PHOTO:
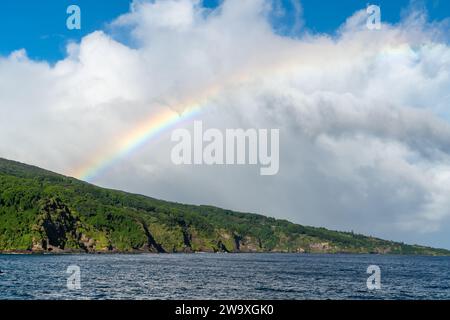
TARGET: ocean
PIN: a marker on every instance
(221, 276)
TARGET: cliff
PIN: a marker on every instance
(41, 211)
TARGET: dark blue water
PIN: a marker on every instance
(223, 276)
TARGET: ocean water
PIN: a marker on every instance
(223, 276)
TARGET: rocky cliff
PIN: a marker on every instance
(41, 211)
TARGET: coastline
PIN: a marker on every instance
(62, 253)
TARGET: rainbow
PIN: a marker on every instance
(155, 125)
(160, 122)
(144, 132)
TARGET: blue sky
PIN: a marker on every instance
(39, 26)
(361, 147)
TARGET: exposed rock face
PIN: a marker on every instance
(221, 247)
(237, 242)
(152, 245)
(58, 230)
(320, 247)
(249, 244)
(55, 227)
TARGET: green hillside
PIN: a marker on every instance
(41, 211)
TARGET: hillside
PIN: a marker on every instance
(41, 211)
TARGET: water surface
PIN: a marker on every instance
(224, 276)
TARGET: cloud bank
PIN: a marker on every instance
(363, 114)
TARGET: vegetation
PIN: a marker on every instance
(41, 211)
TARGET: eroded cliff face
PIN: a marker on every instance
(58, 229)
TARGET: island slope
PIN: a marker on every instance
(41, 211)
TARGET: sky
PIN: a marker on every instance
(39, 26)
(363, 114)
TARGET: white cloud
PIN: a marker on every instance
(363, 116)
